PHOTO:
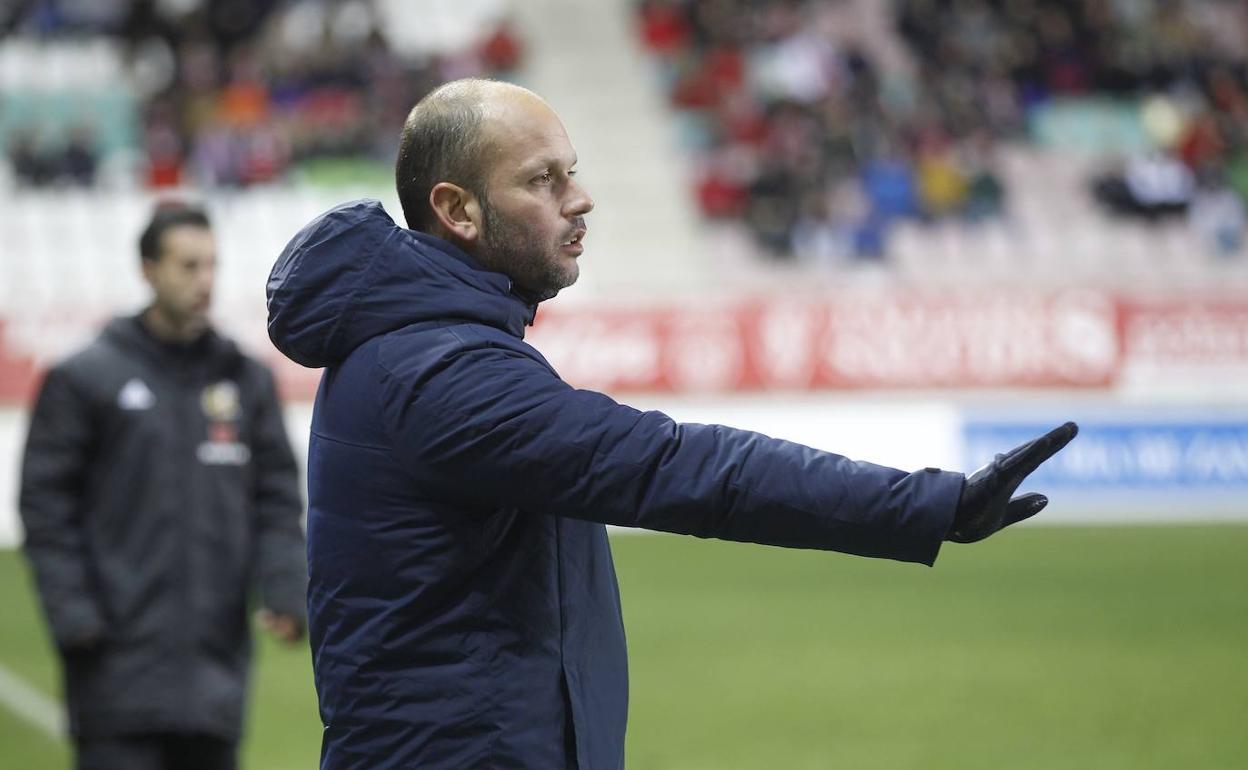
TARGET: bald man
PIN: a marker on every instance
(463, 605)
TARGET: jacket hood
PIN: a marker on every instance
(353, 274)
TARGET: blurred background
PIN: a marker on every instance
(915, 232)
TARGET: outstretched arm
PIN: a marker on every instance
(499, 426)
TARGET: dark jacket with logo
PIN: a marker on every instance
(159, 488)
(463, 604)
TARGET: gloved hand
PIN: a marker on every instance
(986, 504)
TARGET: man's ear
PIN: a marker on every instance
(149, 271)
(458, 212)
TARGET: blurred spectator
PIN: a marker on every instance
(164, 147)
(772, 207)
(985, 194)
(39, 160)
(1219, 216)
(78, 162)
(1237, 173)
(890, 187)
(722, 191)
(1151, 187)
(32, 166)
(664, 26)
(502, 52)
(943, 188)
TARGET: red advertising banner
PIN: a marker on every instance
(877, 340)
(17, 371)
(1184, 332)
(891, 339)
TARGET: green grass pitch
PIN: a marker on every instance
(1115, 648)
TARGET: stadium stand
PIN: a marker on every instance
(207, 95)
(963, 140)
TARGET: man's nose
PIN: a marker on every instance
(579, 203)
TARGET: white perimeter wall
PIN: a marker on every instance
(903, 431)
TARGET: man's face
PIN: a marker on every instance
(181, 276)
(532, 211)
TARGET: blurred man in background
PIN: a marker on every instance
(159, 487)
(463, 603)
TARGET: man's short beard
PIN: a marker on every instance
(508, 247)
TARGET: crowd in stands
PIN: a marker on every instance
(804, 133)
(244, 93)
(71, 163)
(1184, 62)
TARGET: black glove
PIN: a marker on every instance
(986, 504)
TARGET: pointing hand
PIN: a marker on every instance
(987, 504)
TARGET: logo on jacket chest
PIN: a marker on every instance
(221, 401)
(135, 396)
(222, 407)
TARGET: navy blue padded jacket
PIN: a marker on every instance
(463, 605)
